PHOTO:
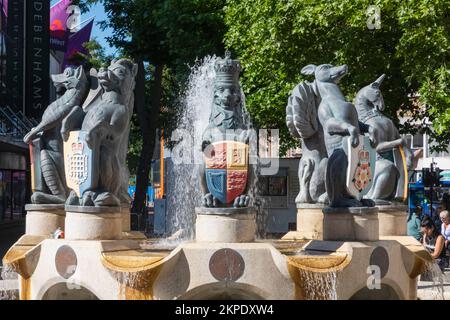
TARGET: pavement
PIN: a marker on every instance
(437, 288)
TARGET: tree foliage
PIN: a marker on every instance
(275, 39)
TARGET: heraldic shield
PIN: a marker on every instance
(361, 166)
(78, 163)
(226, 169)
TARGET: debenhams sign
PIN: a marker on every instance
(37, 57)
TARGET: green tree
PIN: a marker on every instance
(275, 39)
(163, 37)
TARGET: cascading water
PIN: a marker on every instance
(183, 183)
(434, 274)
(184, 180)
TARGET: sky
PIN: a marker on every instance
(100, 15)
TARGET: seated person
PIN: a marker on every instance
(434, 242)
(413, 223)
(445, 227)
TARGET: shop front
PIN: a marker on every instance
(14, 182)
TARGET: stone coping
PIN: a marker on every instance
(351, 210)
(88, 209)
(393, 207)
(44, 207)
(310, 205)
(224, 211)
(125, 205)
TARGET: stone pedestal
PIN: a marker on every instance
(44, 219)
(392, 219)
(225, 224)
(126, 218)
(93, 223)
(350, 224)
(310, 221)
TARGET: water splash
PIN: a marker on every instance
(184, 179)
(434, 274)
(318, 285)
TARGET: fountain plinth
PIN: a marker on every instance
(93, 223)
(225, 224)
(44, 219)
(393, 219)
(309, 222)
(351, 224)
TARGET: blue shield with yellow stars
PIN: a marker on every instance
(79, 163)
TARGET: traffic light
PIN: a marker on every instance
(426, 177)
(431, 177)
(437, 176)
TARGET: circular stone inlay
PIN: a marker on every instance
(66, 261)
(380, 258)
(226, 265)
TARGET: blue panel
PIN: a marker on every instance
(217, 183)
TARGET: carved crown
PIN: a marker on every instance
(77, 147)
(364, 156)
(227, 69)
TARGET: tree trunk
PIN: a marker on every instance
(148, 121)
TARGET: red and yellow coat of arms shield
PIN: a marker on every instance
(226, 171)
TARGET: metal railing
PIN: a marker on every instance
(13, 124)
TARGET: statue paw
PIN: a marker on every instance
(368, 202)
(323, 198)
(72, 199)
(88, 199)
(210, 201)
(241, 201)
(106, 199)
(44, 198)
(346, 203)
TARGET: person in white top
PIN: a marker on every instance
(445, 227)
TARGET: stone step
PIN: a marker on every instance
(9, 290)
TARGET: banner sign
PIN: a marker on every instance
(58, 25)
(37, 58)
(15, 53)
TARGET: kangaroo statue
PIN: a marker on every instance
(389, 176)
(338, 119)
(73, 85)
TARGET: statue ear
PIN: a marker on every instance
(309, 69)
(79, 72)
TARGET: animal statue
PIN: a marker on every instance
(303, 123)
(106, 121)
(73, 86)
(338, 119)
(226, 122)
(390, 176)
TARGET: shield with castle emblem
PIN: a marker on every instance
(361, 166)
(226, 169)
(78, 163)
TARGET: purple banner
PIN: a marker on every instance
(4, 13)
(75, 44)
(58, 25)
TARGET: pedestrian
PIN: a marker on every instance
(445, 227)
(413, 223)
(434, 242)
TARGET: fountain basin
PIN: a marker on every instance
(136, 269)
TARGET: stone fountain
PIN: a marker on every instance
(99, 258)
